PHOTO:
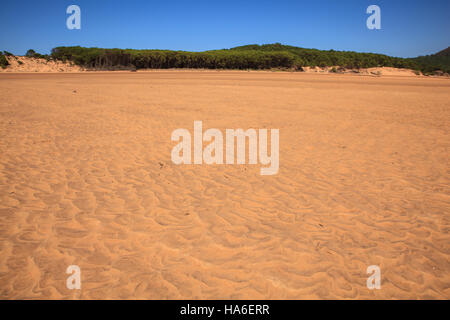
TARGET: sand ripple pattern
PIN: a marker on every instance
(86, 179)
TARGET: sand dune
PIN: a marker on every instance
(27, 64)
(86, 178)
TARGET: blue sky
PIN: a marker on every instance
(408, 28)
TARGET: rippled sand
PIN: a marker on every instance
(86, 178)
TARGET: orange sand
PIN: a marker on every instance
(86, 178)
(27, 64)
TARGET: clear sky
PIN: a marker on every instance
(408, 28)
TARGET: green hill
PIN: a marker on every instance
(438, 61)
(443, 53)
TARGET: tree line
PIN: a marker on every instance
(244, 57)
(97, 58)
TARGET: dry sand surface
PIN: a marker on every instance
(86, 178)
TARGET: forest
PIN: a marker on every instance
(96, 58)
(257, 57)
(436, 62)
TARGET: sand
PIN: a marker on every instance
(26, 64)
(378, 71)
(86, 179)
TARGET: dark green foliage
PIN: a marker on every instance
(3, 61)
(439, 61)
(443, 53)
(97, 58)
(245, 57)
(33, 54)
(30, 53)
(8, 54)
(323, 58)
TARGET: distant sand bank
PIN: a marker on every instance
(19, 64)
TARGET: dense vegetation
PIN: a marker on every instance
(439, 61)
(33, 54)
(245, 57)
(3, 61)
(220, 59)
(322, 58)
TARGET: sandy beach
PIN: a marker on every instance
(86, 179)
